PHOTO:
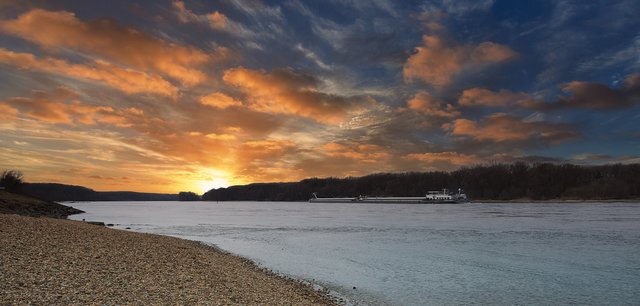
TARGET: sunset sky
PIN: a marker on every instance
(190, 95)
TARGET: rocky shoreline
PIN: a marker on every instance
(13, 203)
(47, 261)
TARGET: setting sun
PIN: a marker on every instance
(207, 179)
(204, 186)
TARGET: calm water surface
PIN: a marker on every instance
(499, 254)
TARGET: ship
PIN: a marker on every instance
(432, 197)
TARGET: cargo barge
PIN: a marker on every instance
(432, 197)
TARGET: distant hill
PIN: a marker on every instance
(61, 192)
(518, 181)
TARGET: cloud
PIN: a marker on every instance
(462, 7)
(127, 80)
(345, 159)
(579, 94)
(592, 158)
(265, 160)
(284, 91)
(480, 97)
(436, 63)
(61, 106)
(219, 100)
(265, 149)
(501, 127)
(72, 156)
(109, 178)
(443, 160)
(106, 38)
(599, 96)
(312, 56)
(612, 58)
(7, 112)
(364, 153)
(595, 96)
(430, 106)
(215, 19)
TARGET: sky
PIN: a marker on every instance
(168, 96)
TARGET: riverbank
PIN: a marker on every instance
(48, 261)
(13, 203)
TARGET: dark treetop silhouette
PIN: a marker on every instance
(542, 181)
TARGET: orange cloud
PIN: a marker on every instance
(108, 39)
(265, 160)
(345, 159)
(333, 147)
(168, 140)
(7, 112)
(437, 64)
(483, 97)
(501, 127)
(126, 80)
(215, 19)
(287, 92)
(184, 15)
(430, 106)
(264, 149)
(219, 100)
(60, 106)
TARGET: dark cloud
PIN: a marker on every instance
(480, 97)
(501, 127)
(596, 96)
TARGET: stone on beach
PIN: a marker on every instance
(47, 261)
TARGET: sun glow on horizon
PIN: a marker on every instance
(205, 186)
(210, 179)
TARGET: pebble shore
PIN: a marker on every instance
(46, 261)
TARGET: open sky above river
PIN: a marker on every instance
(166, 96)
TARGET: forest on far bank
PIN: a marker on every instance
(517, 181)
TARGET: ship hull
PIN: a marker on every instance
(385, 201)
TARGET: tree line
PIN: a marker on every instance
(517, 181)
(13, 181)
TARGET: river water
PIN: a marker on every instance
(403, 254)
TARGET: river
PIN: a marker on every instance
(407, 254)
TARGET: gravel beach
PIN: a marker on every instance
(46, 261)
